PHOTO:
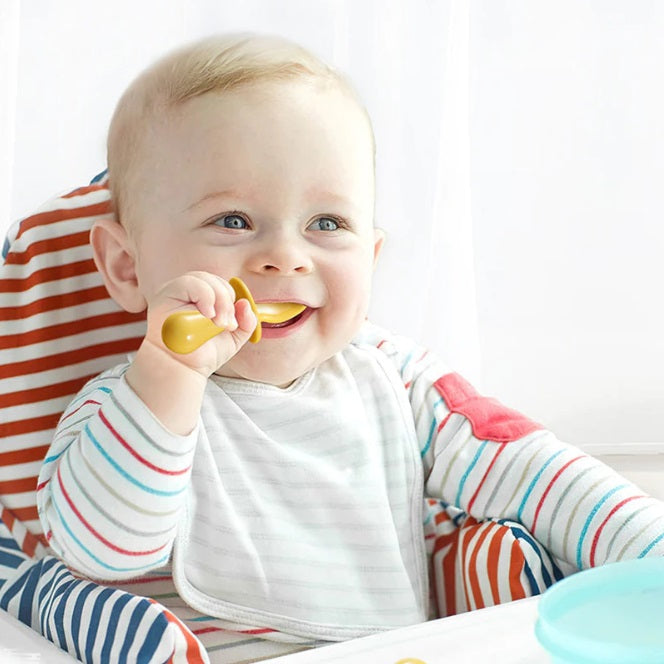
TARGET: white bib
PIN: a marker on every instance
(306, 504)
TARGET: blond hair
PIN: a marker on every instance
(215, 64)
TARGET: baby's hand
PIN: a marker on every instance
(214, 298)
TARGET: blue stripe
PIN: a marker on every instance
(651, 545)
(125, 474)
(61, 571)
(28, 595)
(200, 619)
(520, 533)
(94, 620)
(137, 615)
(49, 597)
(99, 176)
(59, 613)
(534, 482)
(54, 457)
(112, 626)
(591, 516)
(432, 430)
(71, 534)
(409, 357)
(473, 463)
(9, 559)
(76, 614)
(152, 638)
(9, 543)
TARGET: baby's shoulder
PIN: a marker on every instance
(399, 350)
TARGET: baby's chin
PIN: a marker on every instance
(265, 372)
(280, 369)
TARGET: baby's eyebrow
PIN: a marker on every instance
(213, 195)
(327, 195)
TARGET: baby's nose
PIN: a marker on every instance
(283, 256)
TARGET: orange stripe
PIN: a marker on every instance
(67, 329)
(63, 214)
(193, 653)
(517, 563)
(47, 274)
(447, 567)
(48, 246)
(466, 534)
(30, 425)
(86, 189)
(7, 518)
(66, 388)
(18, 486)
(472, 566)
(441, 517)
(54, 302)
(30, 542)
(23, 456)
(493, 562)
(26, 513)
(62, 360)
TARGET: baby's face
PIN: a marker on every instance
(273, 184)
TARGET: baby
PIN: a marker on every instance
(283, 482)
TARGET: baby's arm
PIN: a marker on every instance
(115, 478)
(493, 462)
(113, 483)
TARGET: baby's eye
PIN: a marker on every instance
(325, 224)
(234, 221)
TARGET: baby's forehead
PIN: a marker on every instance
(293, 137)
(302, 109)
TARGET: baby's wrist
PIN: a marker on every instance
(170, 389)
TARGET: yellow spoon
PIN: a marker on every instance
(185, 331)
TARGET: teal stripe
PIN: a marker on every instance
(534, 482)
(409, 357)
(651, 545)
(473, 463)
(125, 474)
(591, 516)
(100, 562)
(432, 430)
(51, 459)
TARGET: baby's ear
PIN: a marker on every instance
(379, 240)
(114, 259)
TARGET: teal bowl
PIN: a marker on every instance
(612, 614)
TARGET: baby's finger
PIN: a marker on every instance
(220, 309)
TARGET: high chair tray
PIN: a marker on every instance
(19, 643)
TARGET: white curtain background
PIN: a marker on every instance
(519, 166)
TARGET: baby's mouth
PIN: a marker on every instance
(279, 314)
(284, 323)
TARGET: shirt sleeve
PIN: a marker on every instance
(493, 462)
(113, 483)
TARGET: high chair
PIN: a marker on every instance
(59, 328)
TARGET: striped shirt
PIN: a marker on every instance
(301, 509)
